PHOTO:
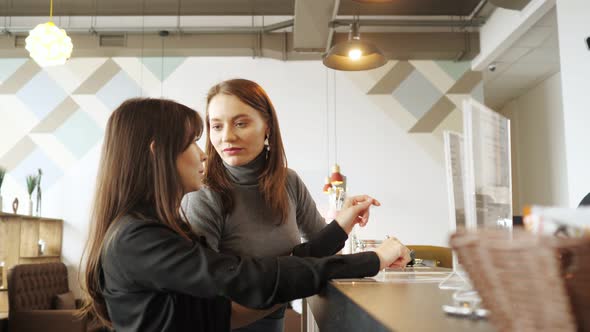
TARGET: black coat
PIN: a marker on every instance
(155, 280)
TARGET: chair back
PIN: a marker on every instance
(33, 286)
(441, 255)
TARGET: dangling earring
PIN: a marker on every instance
(267, 145)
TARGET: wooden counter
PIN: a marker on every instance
(368, 305)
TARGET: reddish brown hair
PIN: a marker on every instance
(272, 181)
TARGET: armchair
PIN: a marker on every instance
(31, 289)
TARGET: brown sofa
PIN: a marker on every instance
(31, 291)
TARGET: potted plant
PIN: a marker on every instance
(31, 185)
(2, 173)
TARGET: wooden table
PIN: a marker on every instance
(369, 305)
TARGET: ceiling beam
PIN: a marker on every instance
(273, 45)
(405, 22)
(399, 46)
(311, 26)
(504, 27)
(511, 4)
(145, 7)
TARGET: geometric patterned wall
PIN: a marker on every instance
(424, 98)
(429, 90)
(49, 118)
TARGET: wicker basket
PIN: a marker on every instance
(529, 283)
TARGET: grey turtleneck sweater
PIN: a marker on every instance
(251, 229)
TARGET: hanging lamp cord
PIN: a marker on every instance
(327, 119)
(335, 124)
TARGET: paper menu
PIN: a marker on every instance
(454, 155)
(487, 174)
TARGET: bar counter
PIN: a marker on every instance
(369, 305)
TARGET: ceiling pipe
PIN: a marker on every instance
(405, 22)
(475, 22)
(477, 10)
(9, 30)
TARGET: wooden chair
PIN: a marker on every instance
(440, 255)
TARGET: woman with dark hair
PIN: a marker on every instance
(146, 270)
(253, 203)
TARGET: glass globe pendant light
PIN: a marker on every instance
(47, 44)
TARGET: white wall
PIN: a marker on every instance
(538, 146)
(572, 26)
(378, 155)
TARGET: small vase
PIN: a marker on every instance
(30, 207)
(38, 211)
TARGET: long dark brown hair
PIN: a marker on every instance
(137, 176)
(272, 181)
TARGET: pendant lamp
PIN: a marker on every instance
(354, 54)
(327, 186)
(336, 178)
(49, 45)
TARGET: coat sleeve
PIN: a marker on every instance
(327, 242)
(156, 258)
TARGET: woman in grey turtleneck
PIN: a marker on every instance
(253, 204)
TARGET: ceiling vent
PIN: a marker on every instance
(112, 40)
(19, 41)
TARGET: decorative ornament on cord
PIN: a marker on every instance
(335, 188)
(336, 176)
(327, 186)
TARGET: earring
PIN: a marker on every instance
(267, 145)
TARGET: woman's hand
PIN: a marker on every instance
(393, 253)
(355, 211)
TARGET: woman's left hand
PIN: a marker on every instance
(355, 211)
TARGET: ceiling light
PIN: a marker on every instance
(49, 45)
(354, 54)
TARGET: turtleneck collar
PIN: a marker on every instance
(247, 174)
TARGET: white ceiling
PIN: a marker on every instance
(529, 61)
